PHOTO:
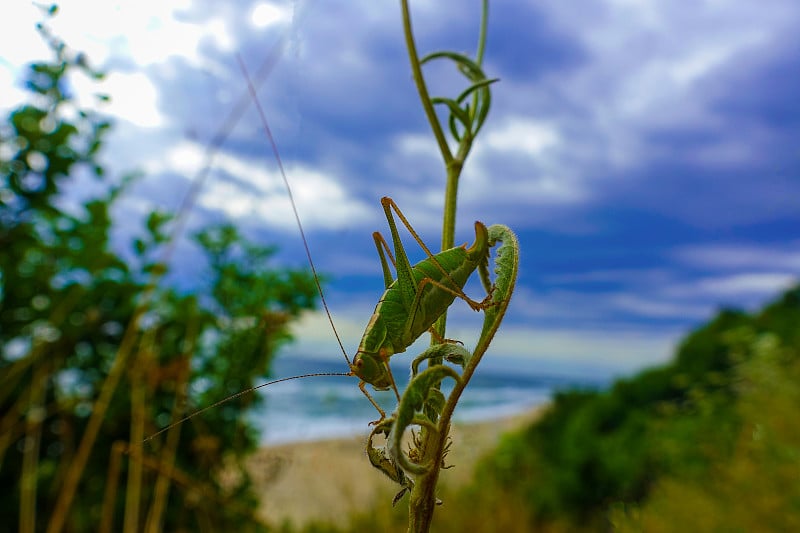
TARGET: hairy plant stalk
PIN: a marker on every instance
(423, 496)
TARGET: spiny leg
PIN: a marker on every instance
(383, 251)
(389, 205)
(362, 385)
(476, 306)
(442, 340)
(391, 377)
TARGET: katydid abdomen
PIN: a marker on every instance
(397, 321)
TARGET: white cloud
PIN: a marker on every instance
(634, 301)
(10, 94)
(416, 145)
(742, 256)
(650, 306)
(185, 158)
(145, 32)
(619, 349)
(694, 64)
(19, 41)
(531, 137)
(134, 98)
(738, 285)
(627, 275)
(550, 188)
(138, 30)
(256, 193)
(529, 154)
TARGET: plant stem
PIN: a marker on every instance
(422, 500)
(419, 81)
(482, 34)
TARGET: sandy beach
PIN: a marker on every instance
(327, 480)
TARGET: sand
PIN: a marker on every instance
(328, 480)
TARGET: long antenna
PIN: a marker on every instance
(216, 142)
(277, 154)
(234, 396)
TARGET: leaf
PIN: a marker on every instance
(449, 351)
(506, 268)
(383, 461)
(471, 118)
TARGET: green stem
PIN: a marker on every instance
(482, 34)
(419, 81)
(423, 497)
(449, 225)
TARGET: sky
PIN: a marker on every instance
(646, 153)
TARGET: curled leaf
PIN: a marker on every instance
(415, 398)
(472, 115)
(449, 351)
(380, 458)
(506, 268)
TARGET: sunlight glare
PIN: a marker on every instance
(135, 99)
(266, 14)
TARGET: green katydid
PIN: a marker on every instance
(407, 309)
(415, 300)
(409, 306)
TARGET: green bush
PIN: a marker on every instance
(595, 451)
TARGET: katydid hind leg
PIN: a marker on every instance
(405, 276)
(383, 251)
(390, 205)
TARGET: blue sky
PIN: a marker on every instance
(647, 153)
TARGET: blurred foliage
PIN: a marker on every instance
(752, 484)
(721, 411)
(71, 308)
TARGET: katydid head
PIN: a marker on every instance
(371, 362)
(371, 368)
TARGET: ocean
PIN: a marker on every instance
(319, 408)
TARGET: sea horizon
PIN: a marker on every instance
(323, 408)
